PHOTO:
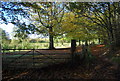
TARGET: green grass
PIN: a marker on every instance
(26, 45)
(35, 46)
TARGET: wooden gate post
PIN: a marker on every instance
(33, 58)
(73, 47)
(0, 61)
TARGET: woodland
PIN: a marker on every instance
(89, 32)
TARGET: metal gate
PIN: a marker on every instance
(31, 58)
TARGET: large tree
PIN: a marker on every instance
(46, 16)
(104, 14)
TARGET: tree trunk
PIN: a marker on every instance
(112, 42)
(89, 42)
(117, 36)
(51, 42)
(79, 42)
(118, 28)
(99, 40)
(86, 48)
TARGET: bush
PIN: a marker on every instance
(42, 41)
(33, 41)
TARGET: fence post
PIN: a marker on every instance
(73, 48)
(19, 51)
(33, 58)
(0, 61)
(3, 51)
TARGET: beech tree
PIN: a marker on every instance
(46, 16)
(75, 27)
(105, 15)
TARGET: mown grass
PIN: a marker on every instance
(34, 45)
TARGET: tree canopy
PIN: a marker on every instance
(74, 20)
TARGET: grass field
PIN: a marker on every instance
(35, 45)
(46, 45)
